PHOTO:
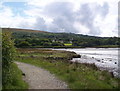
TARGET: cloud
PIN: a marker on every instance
(104, 10)
(40, 24)
(88, 13)
(14, 0)
(64, 17)
(86, 17)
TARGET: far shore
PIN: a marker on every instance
(104, 46)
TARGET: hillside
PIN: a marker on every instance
(34, 38)
(21, 30)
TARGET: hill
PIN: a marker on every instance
(34, 38)
(21, 30)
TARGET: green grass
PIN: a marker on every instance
(14, 79)
(77, 76)
(69, 44)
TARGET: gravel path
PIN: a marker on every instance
(38, 78)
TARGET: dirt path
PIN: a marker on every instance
(38, 78)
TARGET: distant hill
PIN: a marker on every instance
(35, 38)
(22, 30)
(15, 30)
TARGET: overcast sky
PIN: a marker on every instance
(89, 17)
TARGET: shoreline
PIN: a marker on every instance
(76, 75)
(108, 69)
(101, 63)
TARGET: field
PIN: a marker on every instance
(69, 44)
(77, 76)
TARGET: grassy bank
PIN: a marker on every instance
(77, 76)
(14, 80)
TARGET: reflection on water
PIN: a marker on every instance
(104, 58)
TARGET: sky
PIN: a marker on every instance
(88, 17)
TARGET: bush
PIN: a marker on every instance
(57, 44)
(11, 75)
(8, 50)
(8, 55)
(24, 44)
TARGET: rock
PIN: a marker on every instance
(111, 73)
(50, 61)
(77, 56)
(23, 74)
(70, 62)
(98, 60)
(32, 56)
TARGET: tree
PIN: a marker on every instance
(47, 44)
(23, 44)
(57, 44)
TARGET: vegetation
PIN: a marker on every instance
(30, 38)
(77, 76)
(11, 75)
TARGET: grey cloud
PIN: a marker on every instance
(88, 14)
(64, 17)
(87, 18)
(40, 24)
(103, 10)
(65, 24)
(57, 9)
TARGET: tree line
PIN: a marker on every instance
(62, 39)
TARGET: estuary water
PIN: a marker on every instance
(104, 58)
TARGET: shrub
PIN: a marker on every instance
(8, 55)
(8, 50)
(24, 44)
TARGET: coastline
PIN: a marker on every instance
(103, 62)
(76, 75)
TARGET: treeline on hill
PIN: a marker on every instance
(29, 38)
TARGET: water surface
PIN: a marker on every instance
(104, 58)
